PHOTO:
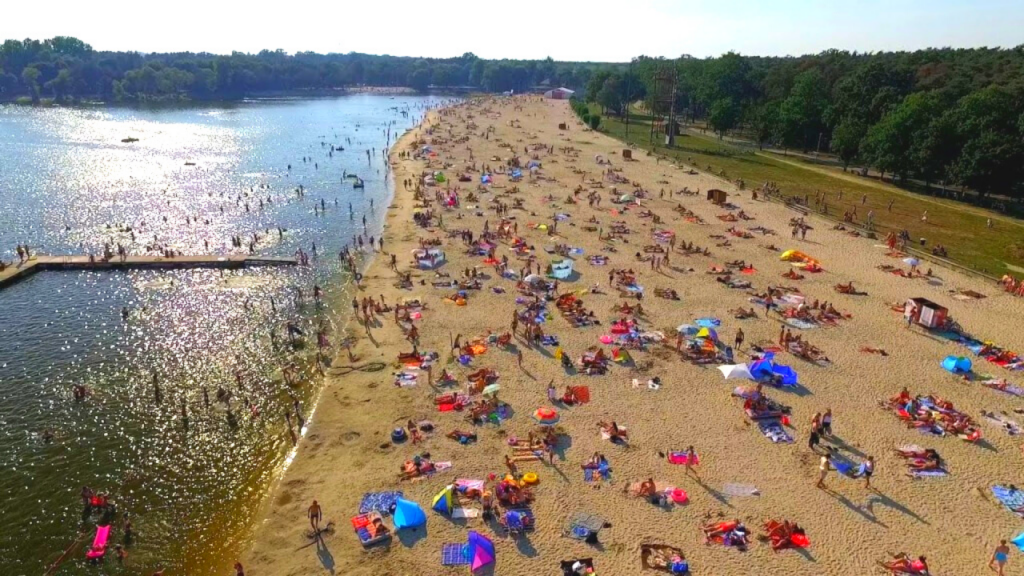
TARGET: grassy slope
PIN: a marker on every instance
(960, 228)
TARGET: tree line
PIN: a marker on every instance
(954, 116)
(65, 68)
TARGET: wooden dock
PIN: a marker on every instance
(17, 272)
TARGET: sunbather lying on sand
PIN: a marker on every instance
(461, 436)
(902, 564)
(781, 533)
(742, 314)
(616, 433)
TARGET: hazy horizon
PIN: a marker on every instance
(534, 29)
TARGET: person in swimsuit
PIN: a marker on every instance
(315, 514)
(999, 557)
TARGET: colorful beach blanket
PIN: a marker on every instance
(381, 502)
(1013, 500)
(454, 555)
(773, 430)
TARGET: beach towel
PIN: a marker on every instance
(800, 324)
(1013, 500)
(406, 379)
(708, 322)
(469, 484)
(682, 458)
(582, 394)
(549, 341)
(440, 466)
(465, 513)
(1008, 425)
(381, 502)
(928, 473)
(454, 555)
(741, 490)
(588, 475)
(774, 431)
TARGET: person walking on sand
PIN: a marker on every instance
(691, 460)
(519, 357)
(823, 467)
(739, 338)
(999, 557)
(826, 423)
(869, 470)
(315, 514)
(239, 570)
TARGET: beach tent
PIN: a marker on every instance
(439, 177)
(408, 514)
(925, 312)
(444, 502)
(533, 164)
(957, 364)
(561, 270)
(480, 550)
(736, 371)
(626, 198)
(789, 376)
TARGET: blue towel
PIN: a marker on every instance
(379, 501)
(708, 322)
(1012, 499)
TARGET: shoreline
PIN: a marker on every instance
(347, 450)
(364, 349)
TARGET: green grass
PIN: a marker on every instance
(959, 227)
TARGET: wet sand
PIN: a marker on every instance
(347, 450)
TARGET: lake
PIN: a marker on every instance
(151, 346)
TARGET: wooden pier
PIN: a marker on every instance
(17, 272)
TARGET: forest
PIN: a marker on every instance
(64, 68)
(951, 116)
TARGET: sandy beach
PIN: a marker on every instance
(348, 451)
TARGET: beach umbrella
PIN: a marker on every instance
(736, 371)
(532, 278)
(546, 416)
(911, 261)
(708, 333)
(481, 550)
(408, 514)
(491, 389)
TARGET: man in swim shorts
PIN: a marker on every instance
(315, 514)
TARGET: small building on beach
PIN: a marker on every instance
(559, 94)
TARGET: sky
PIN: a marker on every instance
(566, 30)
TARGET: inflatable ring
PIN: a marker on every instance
(530, 478)
(679, 496)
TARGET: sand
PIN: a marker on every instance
(347, 450)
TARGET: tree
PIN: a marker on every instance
(420, 79)
(801, 115)
(724, 115)
(29, 77)
(596, 83)
(764, 119)
(992, 155)
(8, 82)
(117, 89)
(846, 139)
(594, 121)
(889, 145)
(60, 85)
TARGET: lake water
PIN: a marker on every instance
(192, 485)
